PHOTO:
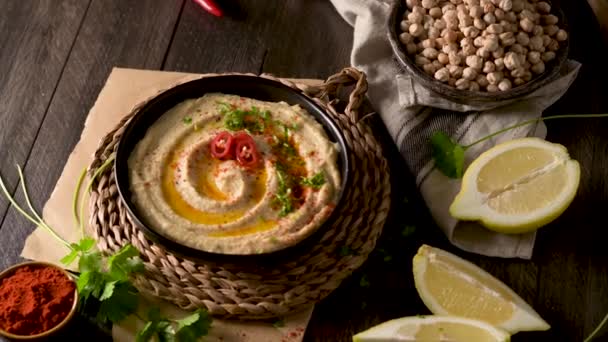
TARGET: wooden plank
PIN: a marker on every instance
(36, 37)
(114, 33)
(207, 44)
(314, 42)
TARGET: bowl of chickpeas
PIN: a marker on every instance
(479, 50)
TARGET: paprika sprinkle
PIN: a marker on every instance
(34, 298)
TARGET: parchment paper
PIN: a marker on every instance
(124, 89)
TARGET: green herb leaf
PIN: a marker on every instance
(119, 304)
(125, 262)
(90, 262)
(108, 290)
(315, 182)
(166, 333)
(68, 259)
(279, 323)
(91, 283)
(408, 230)
(86, 244)
(283, 196)
(187, 120)
(448, 155)
(193, 327)
(146, 334)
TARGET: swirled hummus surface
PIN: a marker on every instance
(234, 175)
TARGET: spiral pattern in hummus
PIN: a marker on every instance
(186, 194)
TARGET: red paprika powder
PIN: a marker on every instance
(34, 299)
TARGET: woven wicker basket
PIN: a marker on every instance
(261, 290)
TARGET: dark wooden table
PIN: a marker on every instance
(56, 54)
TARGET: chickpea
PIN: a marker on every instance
(504, 85)
(479, 23)
(483, 52)
(411, 3)
(473, 86)
(518, 81)
(437, 64)
(512, 61)
(526, 25)
(523, 39)
(517, 6)
(447, 7)
(495, 28)
(469, 73)
(482, 80)
(478, 42)
(411, 48)
(561, 35)
(439, 43)
(490, 43)
(434, 33)
(526, 14)
(429, 68)
(470, 31)
(435, 12)
(419, 47)
(527, 77)
(449, 35)
(534, 57)
(454, 58)
(428, 43)
(404, 25)
(538, 30)
(519, 72)
(500, 64)
(430, 52)
(548, 56)
(455, 71)
(489, 18)
(443, 58)
(517, 48)
(416, 30)
(492, 88)
(495, 77)
(553, 45)
(450, 47)
(442, 75)
(489, 67)
(507, 38)
(550, 30)
(419, 9)
(428, 4)
(415, 18)
(506, 5)
(439, 24)
(526, 65)
(543, 7)
(538, 68)
(474, 62)
(476, 11)
(536, 43)
(451, 22)
(471, 3)
(463, 84)
(550, 19)
(511, 17)
(405, 38)
(488, 8)
(421, 60)
(469, 50)
(499, 14)
(498, 53)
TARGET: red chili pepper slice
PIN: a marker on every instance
(210, 6)
(222, 146)
(246, 151)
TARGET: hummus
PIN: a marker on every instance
(257, 197)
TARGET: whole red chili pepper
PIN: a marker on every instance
(210, 6)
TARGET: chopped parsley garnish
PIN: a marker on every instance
(236, 119)
(315, 182)
(283, 196)
(187, 120)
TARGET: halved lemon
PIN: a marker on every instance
(449, 285)
(517, 186)
(433, 329)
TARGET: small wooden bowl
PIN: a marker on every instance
(468, 96)
(53, 330)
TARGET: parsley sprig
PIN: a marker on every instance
(283, 198)
(449, 155)
(315, 182)
(104, 281)
(235, 119)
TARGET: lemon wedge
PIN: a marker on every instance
(433, 329)
(449, 285)
(517, 186)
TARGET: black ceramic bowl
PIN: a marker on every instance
(467, 96)
(246, 86)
